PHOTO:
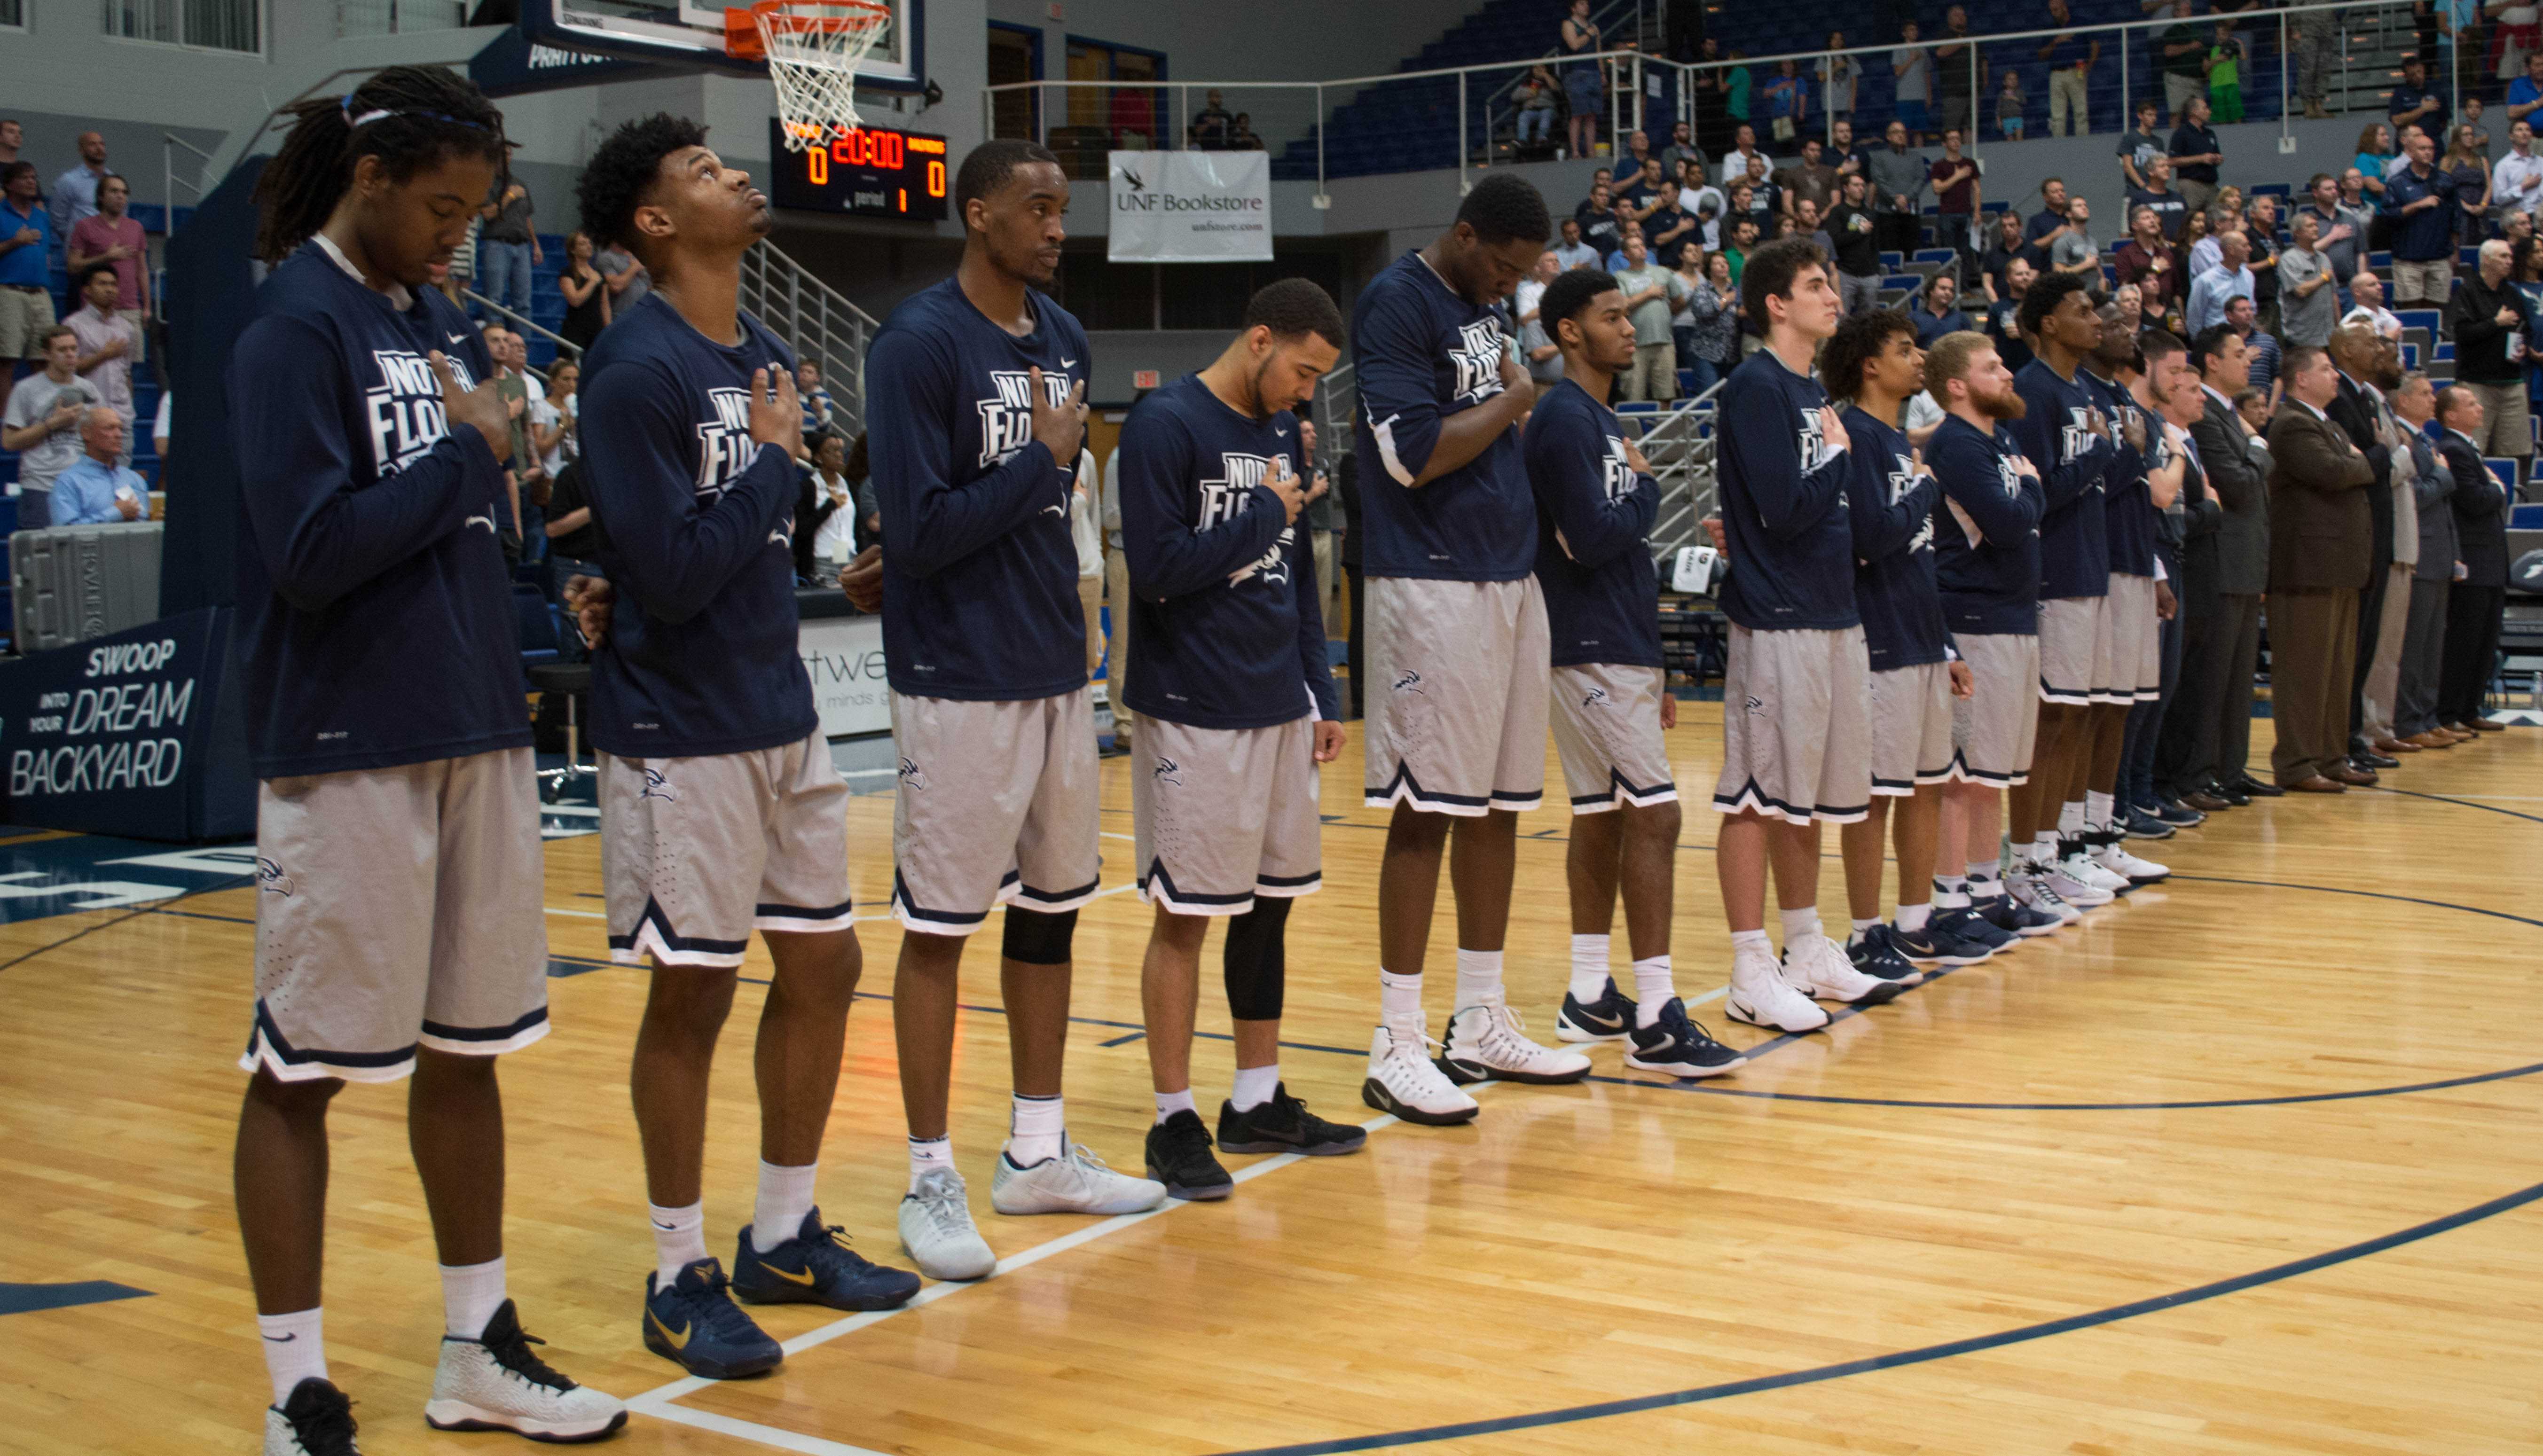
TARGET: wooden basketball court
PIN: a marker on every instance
(2250, 1162)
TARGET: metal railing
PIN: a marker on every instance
(818, 322)
(2313, 57)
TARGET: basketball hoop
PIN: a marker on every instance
(812, 48)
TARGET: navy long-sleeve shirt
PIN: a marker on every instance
(1224, 593)
(2129, 501)
(2073, 458)
(979, 595)
(2429, 233)
(1892, 509)
(1986, 555)
(1784, 504)
(377, 609)
(696, 521)
(1593, 525)
(1420, 353)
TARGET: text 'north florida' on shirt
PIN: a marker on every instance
(1893, 506)
(1420, 353)
(1593, 525)
(1223, 591)
(979, 589)
(377, 605)
(1987, 545)
(2056, 432)
(696, 526)
(1784, 507)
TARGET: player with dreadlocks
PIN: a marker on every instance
(399, 924)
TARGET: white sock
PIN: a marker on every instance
(1912, 918)
(2043, 846)
(1860, 926)
(1171, 1103)
(785, 1196)
(470, 1295)
(1654, 986)
(1479, 977)
(295, 1350)
(2070, 818)
(1752, 942)
(1589, 967)
(926, 1154)
(679, 1240)
(1037, 1128)
(1986, 878)
(1255, 1085)
(1399, 997)
(1800, 923)
(2096, 808)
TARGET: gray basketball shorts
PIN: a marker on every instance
(997, 802)
(1994, 728)
(2075, 651)
(1221, 816)
(2137, 640)
(1911, 727)
(1607, 732)
(1796, 726)
(397, 908)
(1456, 695)
(697, 853)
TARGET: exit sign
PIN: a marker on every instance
(1143, 379)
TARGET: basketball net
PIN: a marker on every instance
(812, 48)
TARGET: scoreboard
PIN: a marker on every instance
(872, 172)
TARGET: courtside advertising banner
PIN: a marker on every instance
(1191, 206)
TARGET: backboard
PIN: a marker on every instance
(690, 32)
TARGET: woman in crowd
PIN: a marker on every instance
(553, 423)
(2465, 162)
(2375, 150)
(1535, 100)
(587, 302)
(1838, 76)
(1711, 343)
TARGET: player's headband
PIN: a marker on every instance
(356, 121)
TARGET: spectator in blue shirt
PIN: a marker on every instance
(25, 256)
(2414, 102)
(1940, 313)
(2525, 93)
(93, 491)
(2420, 199)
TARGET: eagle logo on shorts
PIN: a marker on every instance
(1595, 697)
(1411, 683)
(1167, 771)
(910, 774)
(656, 787)
(270, 880)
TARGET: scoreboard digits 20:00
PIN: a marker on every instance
(872, 172)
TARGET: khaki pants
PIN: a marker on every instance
(2313, 650)
(1654, 375)
(2379, 708)
(1329, 582)
(2067, 114)
(1090, 595)
(23, 317)
(2429, 283)
(1117, 654)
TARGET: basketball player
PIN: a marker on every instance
(1236, 705)
(1795, 698)
(1872, 363)
(1986, 566)
(1456, 640)
(1596, 500)
(2142, 476)
(399, 928)
(721, 811)
(2063, 430)
(977, 408)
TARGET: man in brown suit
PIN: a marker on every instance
(2321, 548)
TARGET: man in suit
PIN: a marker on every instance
(2371, 727)
(2360, 410)
(2319, 557)
(2423, 633)
(2477, 601)
(2204, 760)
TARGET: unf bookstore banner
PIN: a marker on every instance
(1191, 206)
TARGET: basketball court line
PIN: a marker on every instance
(658, 1401)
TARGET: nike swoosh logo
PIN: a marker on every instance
(285, 1338)
(805, 1278)
(668, 1227)
(1609, 1021)
(679, 1340)
(1068, 363)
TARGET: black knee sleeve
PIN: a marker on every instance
(1038, 938)
(1257, 962)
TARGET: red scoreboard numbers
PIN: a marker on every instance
(872, 170)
